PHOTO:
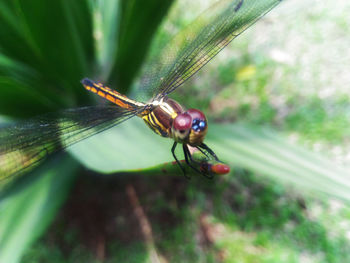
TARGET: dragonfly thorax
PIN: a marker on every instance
(169, 119)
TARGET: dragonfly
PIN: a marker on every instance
(26, 144)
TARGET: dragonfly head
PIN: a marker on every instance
(190, 127)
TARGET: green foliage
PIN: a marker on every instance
(320, 122)
(134, 40)
(28, 207)
(47, 47)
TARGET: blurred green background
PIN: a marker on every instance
(278, 104)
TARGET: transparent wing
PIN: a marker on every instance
(27, 144)
(196, 45)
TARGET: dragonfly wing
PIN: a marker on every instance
(27, 144)
(196, 45)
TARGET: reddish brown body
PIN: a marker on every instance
(162, 117)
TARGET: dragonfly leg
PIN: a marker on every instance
(210, 151)
(203, 152)
(189, 160)
(177, 161)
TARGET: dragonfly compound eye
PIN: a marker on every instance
(199, 122)
(198, 125)
(182, 122)
(181, 127)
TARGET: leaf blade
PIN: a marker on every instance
(29, 206)
(251, 147)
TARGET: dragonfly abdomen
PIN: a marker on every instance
(111, 95)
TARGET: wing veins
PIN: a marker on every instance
(19, 157)
(210, 35)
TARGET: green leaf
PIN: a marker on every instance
(51, 42)
(28, 207)
(106, 14)
(130, 145)
(138, 22)
(47, 48)
(133, 146)
(266, 152)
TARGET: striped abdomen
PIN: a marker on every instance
(111, 95)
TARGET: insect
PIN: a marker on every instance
(165, 117)
(27, 144)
